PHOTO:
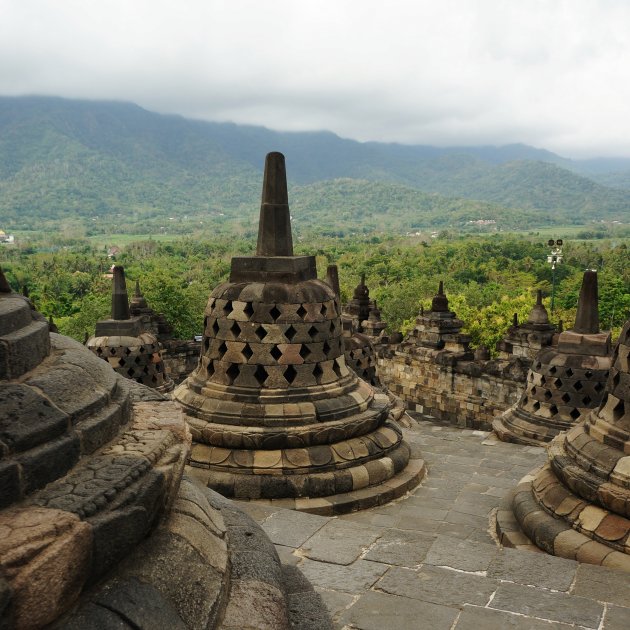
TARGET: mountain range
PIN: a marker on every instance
(100, 162)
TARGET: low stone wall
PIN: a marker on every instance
(180, 357)
(467, 394)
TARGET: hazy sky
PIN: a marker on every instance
(552, 73)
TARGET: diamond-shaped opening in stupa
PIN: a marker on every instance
(290, 374)
(261, 375)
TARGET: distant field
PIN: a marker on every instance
(124, 239)
(568, 232)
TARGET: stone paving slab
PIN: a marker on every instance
(357, 578)
(291, 528)
(376, 611)
(475, 618)
(437, 585)
(534, 569)
(429, 559)
(616, 618)
(536, 602)
(339, 542)
(400, 547)
(461, 554)
(603, 584)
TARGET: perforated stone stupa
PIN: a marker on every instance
(578, 504)
(273, 408)
(126, 345)
(565, 381)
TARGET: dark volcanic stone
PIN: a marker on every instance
(49, 462)
(28, 419)
(5, 605)
(141, 604)
(9, 483)
(115, 535)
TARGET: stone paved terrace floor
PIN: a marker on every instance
(428, 560)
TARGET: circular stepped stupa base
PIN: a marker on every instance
(526, 521)
(362, 497)
(516, 427)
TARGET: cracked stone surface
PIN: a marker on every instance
(430, 555)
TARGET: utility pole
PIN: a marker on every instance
(554, 259)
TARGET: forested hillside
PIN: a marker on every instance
(104, 165)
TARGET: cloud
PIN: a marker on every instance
(552, 73)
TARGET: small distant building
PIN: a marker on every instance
(6, 239)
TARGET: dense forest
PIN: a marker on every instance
(487, 278)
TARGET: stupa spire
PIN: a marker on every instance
(120, 301)
(587, 317)
(274, 228)
(538, 314)
(440, 302)
(332, 278)
(4, 283)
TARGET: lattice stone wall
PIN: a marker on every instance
(255, 344)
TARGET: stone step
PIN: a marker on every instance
(355, 500)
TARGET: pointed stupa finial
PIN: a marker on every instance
(587, 317)
(538, 315)
(4, 283)
(274, 228)
(120, 301)
(361, 290)
(137, 302)
(440, 301)
(332, 278)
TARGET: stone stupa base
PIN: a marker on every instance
(518, 427)
(357, 488)
(541, 514)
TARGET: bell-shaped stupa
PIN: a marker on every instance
(126, 345)
(358, 308)
(578, 504)
(525, 341)
(565, 381)
(273, 408)
(439, 330)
